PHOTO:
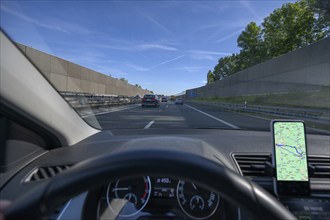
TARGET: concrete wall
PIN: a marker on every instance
(307, 68)
(70, 77)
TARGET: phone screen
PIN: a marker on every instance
(290, 149)
(290, 157)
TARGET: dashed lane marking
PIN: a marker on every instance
(149, 125)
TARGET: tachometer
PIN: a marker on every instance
(195, 201)
(127, 197)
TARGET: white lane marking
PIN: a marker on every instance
(149, 124)
(215, 118)
(115, 110)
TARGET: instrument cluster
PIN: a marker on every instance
(143, 197)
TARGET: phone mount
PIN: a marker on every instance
(270, 170)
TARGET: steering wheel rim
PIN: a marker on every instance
(102, 170)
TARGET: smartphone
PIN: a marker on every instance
(290, 158)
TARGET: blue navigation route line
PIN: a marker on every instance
(298, 153)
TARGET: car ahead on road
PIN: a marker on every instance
(164, 99)
(150, 100)
(179, 101)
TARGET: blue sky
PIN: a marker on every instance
(164, 46)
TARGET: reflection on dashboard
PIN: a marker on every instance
(143, 197)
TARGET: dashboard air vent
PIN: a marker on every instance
(319, 166)
(42, 173)
(255, 165)
(252, 164)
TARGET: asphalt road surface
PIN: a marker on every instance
(169, 115)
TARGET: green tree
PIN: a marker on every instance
(321, 10)
(227, 65)
(251, 44)
(292, 26)
(217, 72)
(210, 77)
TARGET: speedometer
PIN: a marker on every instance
(129, 196)
(195, 201)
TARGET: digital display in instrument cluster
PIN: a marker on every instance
(164, 187)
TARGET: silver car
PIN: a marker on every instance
(179, 101)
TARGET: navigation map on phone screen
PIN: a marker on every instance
(290, 150)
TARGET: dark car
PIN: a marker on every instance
(150, 100)
(164, 99)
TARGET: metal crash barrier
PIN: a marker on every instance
(81, 101)
(317, 115)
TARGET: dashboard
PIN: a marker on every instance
(165, 197)
(159, 197)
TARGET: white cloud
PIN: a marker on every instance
(167, 61)
(155, 46)
(72, 27)
(135, 48)
(62, 26)
(200, 56)
(159, 25)
(33, 21)
(190, 69)
(137, 67)
(229, 36)
(208, 52)
(248, 6)
(141, 68)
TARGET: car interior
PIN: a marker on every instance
(165, 110)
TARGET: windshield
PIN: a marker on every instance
(181, 64)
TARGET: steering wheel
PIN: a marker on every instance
(101, 170)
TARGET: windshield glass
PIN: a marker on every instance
(209, 64)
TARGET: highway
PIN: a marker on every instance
(169, 115)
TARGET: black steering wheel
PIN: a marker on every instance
(101, 170)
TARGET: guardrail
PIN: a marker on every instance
(317, 115)
(80, 101)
